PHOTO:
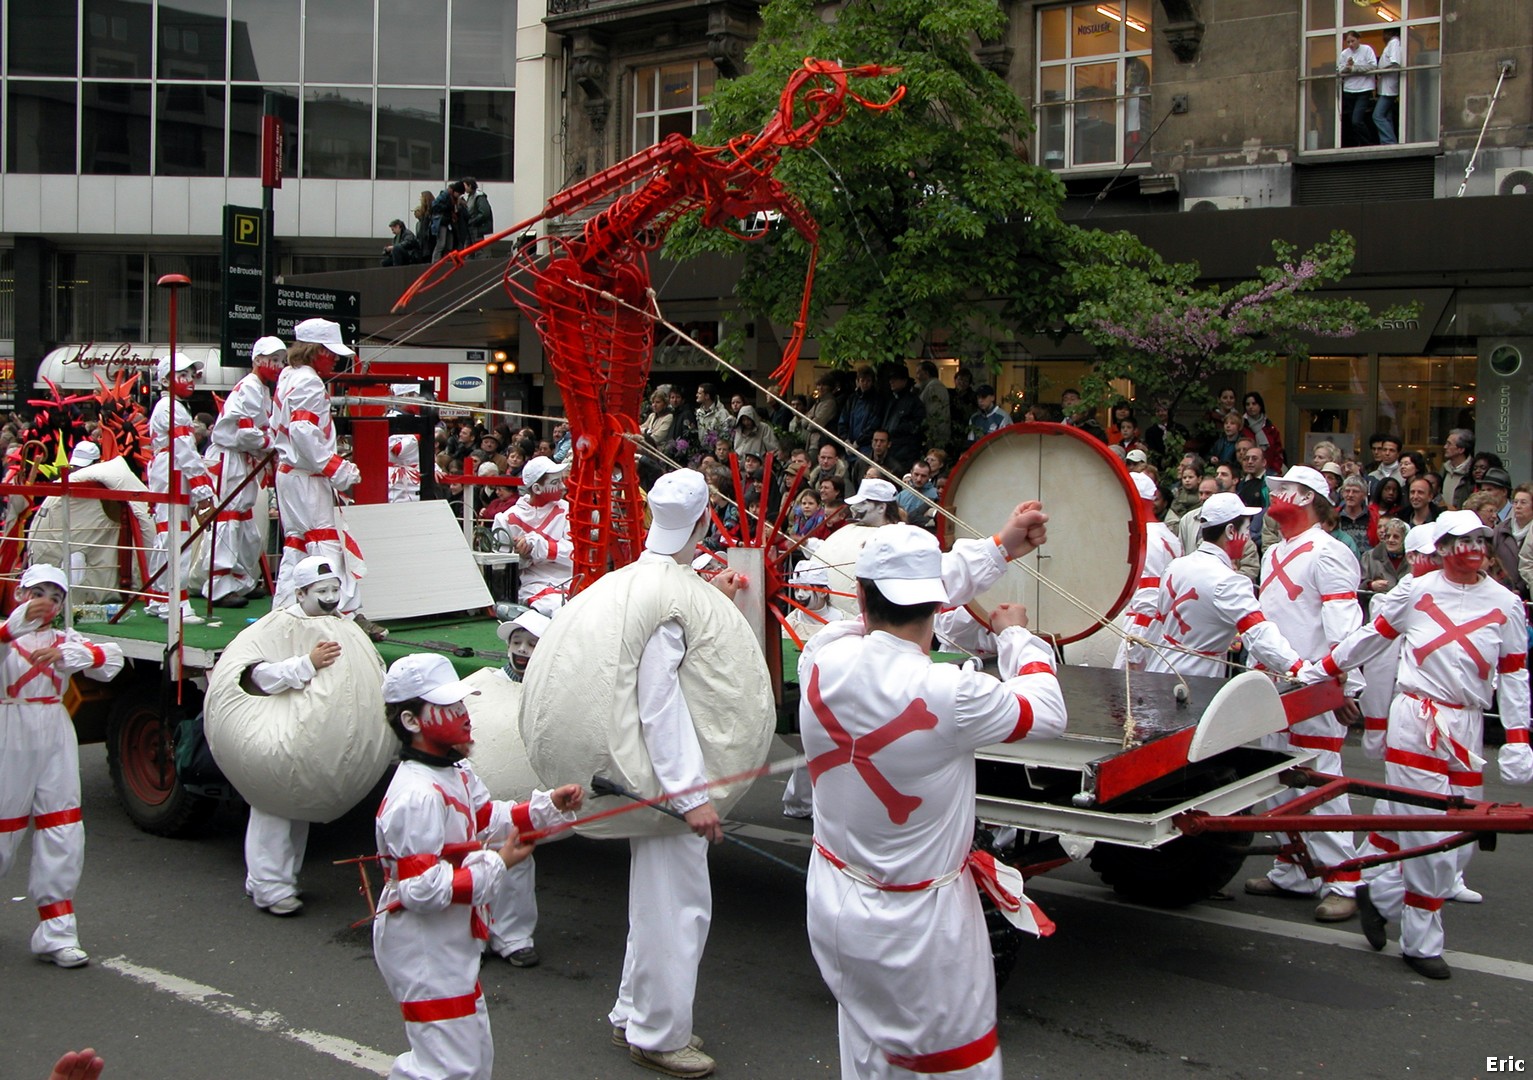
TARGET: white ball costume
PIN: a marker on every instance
(899, 939)
(40, 764)
(239, 440)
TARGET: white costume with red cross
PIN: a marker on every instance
(404, 468)
(239, 440)
(1161, 546)
(1309, 591)
(429, 950)
(1459, 644)
(40, 767)
(170, 432)
(1201, 604)
(545, 571)
(894, 921)
(309, 474)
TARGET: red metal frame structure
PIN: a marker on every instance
(590, 295)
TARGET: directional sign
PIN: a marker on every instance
(291, 304)
(244, 241)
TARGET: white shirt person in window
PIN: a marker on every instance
(1355, 67)
(1386, 110)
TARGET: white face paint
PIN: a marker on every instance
(520, 647)
(812, 598)
(321, 598)
(45, 591)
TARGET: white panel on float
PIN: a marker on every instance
(418, 562)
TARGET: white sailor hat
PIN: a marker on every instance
(1422, 539)
(1461, 523)
(322, 332)
(424, 675)
(43, 574)
(311, 569)
(1144, 485)
(183, 366)
(1305, 476)
(537, 468)
(534, 622)
(84, 453)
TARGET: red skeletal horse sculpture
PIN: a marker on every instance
(589, 295)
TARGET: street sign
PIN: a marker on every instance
(291, 304)
(242, 279)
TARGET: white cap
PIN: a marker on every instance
(311, 569)
(1137, 456)
(266, 346)
(162, 369)
(323, 332)
(1330, 468)
(424, 675)
(1224, 507)
(84, 453)
(1304, 476)
(535, 470)
(676, 502)
(43, 574)
(873, 491)
(1422, 539)
(1143, 484)
(534, 622)
(811, 572)
(1460, 523)
(906, 564)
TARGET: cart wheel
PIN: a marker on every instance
(141, 758)
(1179, 872)
(1005, 942)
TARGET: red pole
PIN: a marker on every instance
(174, 283)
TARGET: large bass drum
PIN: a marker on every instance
(1095, 549)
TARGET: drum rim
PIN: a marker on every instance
(1137, 542)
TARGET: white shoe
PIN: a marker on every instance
(1466, 895)
(70, 956)
(288, 905)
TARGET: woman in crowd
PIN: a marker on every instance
(1482, 461)
(1413, 463)
(833, 505)
(1263, 432)
(1388, 497)
(1223, 448)
(1509, 537)
(1385, 562)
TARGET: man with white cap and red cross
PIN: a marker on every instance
(445, 844)
(895, 924)
(1463, 637)
(40, 758)
(310, 474)
(240, 438)
(1309, 591)
(170, 432)
(1161, 545)
(538, 526)
(1202, 603)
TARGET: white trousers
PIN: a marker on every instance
(40, 786)
(798, 795)
(460, 1048)
(307, 507)
(274, 849)
(861, 1059)
(670, 906)
(159, 555)
(514, 908)
(1326, 848)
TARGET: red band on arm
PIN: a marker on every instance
(462, 886)
(1037, 667)
(333, 465)
(1337, 596)
(409, 866)
(521, 817)
(1024, 720)
(1381, 624)
(1329, 666)
(1512, 662)
(304, 414)
(97, 654)
(482, 816)
(1517, 735)
(1249, 621)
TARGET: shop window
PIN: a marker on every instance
(1093, 93)
(670, 99)
(1375, 105)
(198, 308)
(100, 297)
(1422, 398)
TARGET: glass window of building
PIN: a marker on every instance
(670, 99)
(192, 37)
(189, 139)
(1422, 398)
(337, 41)
(1093, 94)
(410, 134)
(198, 308)
(480, 134)
(483, 43)
(245, 110)
(424, 62)
(100, 297)
(43, 39)
(1371, 74)
(7, 293)
(119, 39)
(40, 127)
(263, 41)
(337, 132)
(114, 129)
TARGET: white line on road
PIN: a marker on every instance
(221, 1003)
(1238, 920)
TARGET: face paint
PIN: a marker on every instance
(813, 599)
(1235, 542)
(446, 727)
(45, 591)
(1423, 563)
(547, 492)
(1464, 559)
(182, 384)
(1288, 503)
(269, 367)
(321, 598)
(519, 650)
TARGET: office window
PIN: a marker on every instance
(43, 39)
(424, 27)
(199, 309)
(40, 127)
(114, 129)
(1367, 108)
(410, 134)
(245, 109)
(480, 134)
(670, 99)
(100, 297)
(189, 138)
(1093, 83)
(263, 41)
(119, 39)
(192, 34)
(483, 43)
(337, 42)
(337, 132)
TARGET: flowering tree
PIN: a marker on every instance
(1156, 326)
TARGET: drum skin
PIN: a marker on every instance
(839, 552)
(1095, 549)
(500, 756)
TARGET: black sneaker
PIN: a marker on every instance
(524, 958)
(1433, 967)
(1371, 918)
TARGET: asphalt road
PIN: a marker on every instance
(188, 980)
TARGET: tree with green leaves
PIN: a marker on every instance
(931, 219)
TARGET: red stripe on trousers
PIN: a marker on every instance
(1425, 903)
(1316, 742)
(434, 1009)
(1428, 763)
(14, 824)
(959, 1057)
(55, 911)
(54, 820)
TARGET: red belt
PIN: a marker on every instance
(1199, 652)
(1316, 742)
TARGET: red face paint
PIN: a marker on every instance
(446, 727)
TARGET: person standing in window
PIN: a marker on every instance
(1355, 68)
(1386, 111)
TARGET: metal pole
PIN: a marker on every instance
(268, 108)
(174, 283)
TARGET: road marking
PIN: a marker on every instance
(1318, 935)
(221, 1003)
(1237, 920)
